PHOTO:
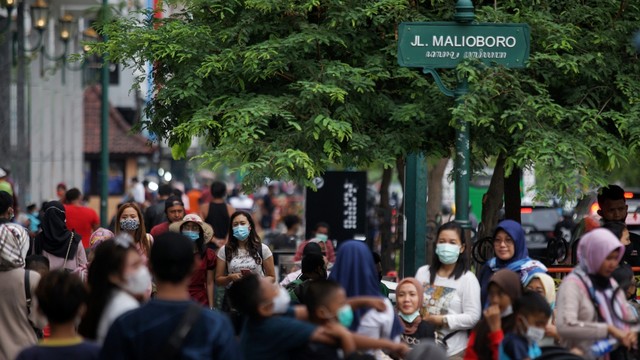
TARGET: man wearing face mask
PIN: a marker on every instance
(322, 238)
(613, 207)
(174, 209)
(532, 313)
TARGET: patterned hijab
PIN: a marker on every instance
(14, 244)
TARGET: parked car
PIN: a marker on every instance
(538, 223)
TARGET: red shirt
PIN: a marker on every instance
(160, 229)
(494, 338)
(197, 286)
(82, 220)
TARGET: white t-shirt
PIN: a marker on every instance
(458, 299)
(120, 303)
(378, 325)
(243, 260)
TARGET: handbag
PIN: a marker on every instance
(66, 257)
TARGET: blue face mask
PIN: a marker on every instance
(345, 315)
(448, 253)
(322, 237)
(193, 235)
(241, 232)
(409, 318)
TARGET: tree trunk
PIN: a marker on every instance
(492, 200)
(512, 200)
(387, 247)
(434, 200)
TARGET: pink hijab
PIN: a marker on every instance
(419, 288)
(595, 246)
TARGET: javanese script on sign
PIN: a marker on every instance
(444, 45)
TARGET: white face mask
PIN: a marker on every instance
(534, 334)
(139, 282)
(281, 301)
(508, 311)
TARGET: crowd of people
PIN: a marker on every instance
(204, 286)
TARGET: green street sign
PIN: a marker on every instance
(436, 45)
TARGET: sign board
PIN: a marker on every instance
(341, 202)
(436, 45)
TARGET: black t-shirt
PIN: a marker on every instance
(425, 330)
(318, 351)
(632, 251)
(218, 218)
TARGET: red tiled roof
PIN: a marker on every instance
(120, 140)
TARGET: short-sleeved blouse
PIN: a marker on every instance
(242, 260)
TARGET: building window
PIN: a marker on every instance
(115, 182)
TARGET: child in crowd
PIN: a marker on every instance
(498, 319)
(37, 263)
(410, 295)
(328, 305)
(532, 313)
(265, 336)
(97, 238)
(62, 299)
(313, 269)
(624, 277)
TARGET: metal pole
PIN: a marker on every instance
(21, 154)
(464, 15)
(462, 163)
(415, 205)
(104, 131)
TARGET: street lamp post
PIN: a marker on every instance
(104, 138)
(17, 150)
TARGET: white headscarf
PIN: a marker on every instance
(14, 244)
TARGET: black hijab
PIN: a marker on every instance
(55, 236)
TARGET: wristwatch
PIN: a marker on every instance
(445, 322)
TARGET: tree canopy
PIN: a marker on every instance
(286, 89)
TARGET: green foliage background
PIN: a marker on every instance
(289, 88)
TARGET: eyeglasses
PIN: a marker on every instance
(507, 241)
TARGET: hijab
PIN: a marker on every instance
(55, 236)
(411, 328)
(549, 287)
(594, 247)
(520, 262)
(14, 244)
(509, 282)
(356, 272)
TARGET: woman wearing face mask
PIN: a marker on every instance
(130, 221)
(201, 287)
(355, 270)
(117, 280)
(544, 285)
(243, 254)
(484, 342)
(452, 292)
(56, 242)
(586, 314)
(409, 295)
(511, 253)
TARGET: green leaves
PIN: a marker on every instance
(287, 89)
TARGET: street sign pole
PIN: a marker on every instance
(438, 45)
